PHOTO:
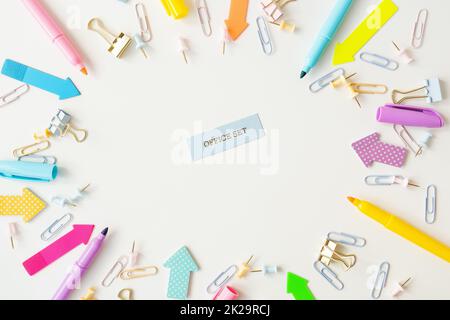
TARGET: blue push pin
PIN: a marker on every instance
(140, 44)
(267, 270)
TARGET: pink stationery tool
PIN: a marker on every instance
(81, 233)
(226, 293)
(55, 33)
(410, 116)
(73, 278)
(370, 149)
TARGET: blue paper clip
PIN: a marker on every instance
(379, 61)
(324, 81)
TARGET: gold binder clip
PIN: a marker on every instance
(118, 44)
(329, 253)
(32, 148)
(138, 272)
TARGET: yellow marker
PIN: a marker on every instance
(345, 51)
(28, 205)
(402, 228)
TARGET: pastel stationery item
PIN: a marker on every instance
(81, 233)
(298, 287)
(370, 149)
(402, 228)
(326, 34)
(80, 267)
(409, 116)
(177, 9)
(432, 92)
(28, 171)
(237, 18)
(27, 205)
(63, 88)
(55, 33)
(226, 137)
(181, 264)
(226, 293)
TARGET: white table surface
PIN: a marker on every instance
(278, 207)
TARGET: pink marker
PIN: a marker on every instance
(55, 32)
(73, 278)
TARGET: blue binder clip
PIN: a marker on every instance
(433, 92)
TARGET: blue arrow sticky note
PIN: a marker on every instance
(181, 264)
(63, 88)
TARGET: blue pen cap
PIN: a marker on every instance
(29, 171)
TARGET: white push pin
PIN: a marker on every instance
(140, 44)
(79, 194)
(400, 287)
(226, 38)
(12, 232)
(267, 270)
(183, 47)
(134, 255)
(403, 54)
(61, 201)
(405, 182)
(424, 139)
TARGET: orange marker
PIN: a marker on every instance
(237, 18)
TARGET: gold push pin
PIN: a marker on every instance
(244, 269)
(330, 253)
(90, 295)
(342, 81)
(283, 25)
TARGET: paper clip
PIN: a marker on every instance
(204, 16)
(14, 95)
(329, 253)
(417, 37)
(433, 92)
(326, 80)
(380, 281)
(380, 180)
(329, 275)
(144, 22)
(222, 279)
(126, 294)
(117, 44)
(115, 271)
(38, 159)
(56, 227)
(345, 238)
(359, 88)
(32, 148)
(408, 139)
(90, 295)
(264, 36)
(430, 204)
(379, 61)
(138, 272)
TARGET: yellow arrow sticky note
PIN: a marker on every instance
(346, 51)
(28, 205)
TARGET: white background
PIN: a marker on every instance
(135, 110)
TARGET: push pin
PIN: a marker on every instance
(342, 81)
(118, 45)
(330, 253)
(267, 270)
(404, 55)
(400, 287)
(60, 125)
(90, 295)
(134, 255)
(379, 180)
(12, 233)
(183, 47)
(72, 200)
(424, 139)
(226, 38)
(140, 44)
(283, 25)
(245, 268)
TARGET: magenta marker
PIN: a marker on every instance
(73, 279)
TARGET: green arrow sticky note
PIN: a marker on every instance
(298, 287)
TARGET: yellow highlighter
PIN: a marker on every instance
(175, 8)
(402, 228)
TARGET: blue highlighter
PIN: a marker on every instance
(28, 171)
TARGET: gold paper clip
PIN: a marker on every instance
(126, 294)
(115, 271)
(418, 33)
(138, 272)
(13, 95)
(363, 88)
(408, 139)
(32, 148)
(330, 253)
(118, 44)
(204, 16)
(144, 22)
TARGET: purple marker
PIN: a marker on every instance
(72, 280)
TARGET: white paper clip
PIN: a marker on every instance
(329, 275)
(388, 180)
(419, 33)
(115, 271)
(407, 139)
(264, 36)
(325, 81)
(14, 95)
(347, 239)
(144, 22)
(380, 281)
(56, 227)
(379, 61)
(430, 204)
(222, 279)
(38, 159)
(204, 16)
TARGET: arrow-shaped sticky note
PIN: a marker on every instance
(346, 51)
(181, 264)
(237, 18)
(28, 205)
(81, 233)
(298, 287)
(63, 88)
